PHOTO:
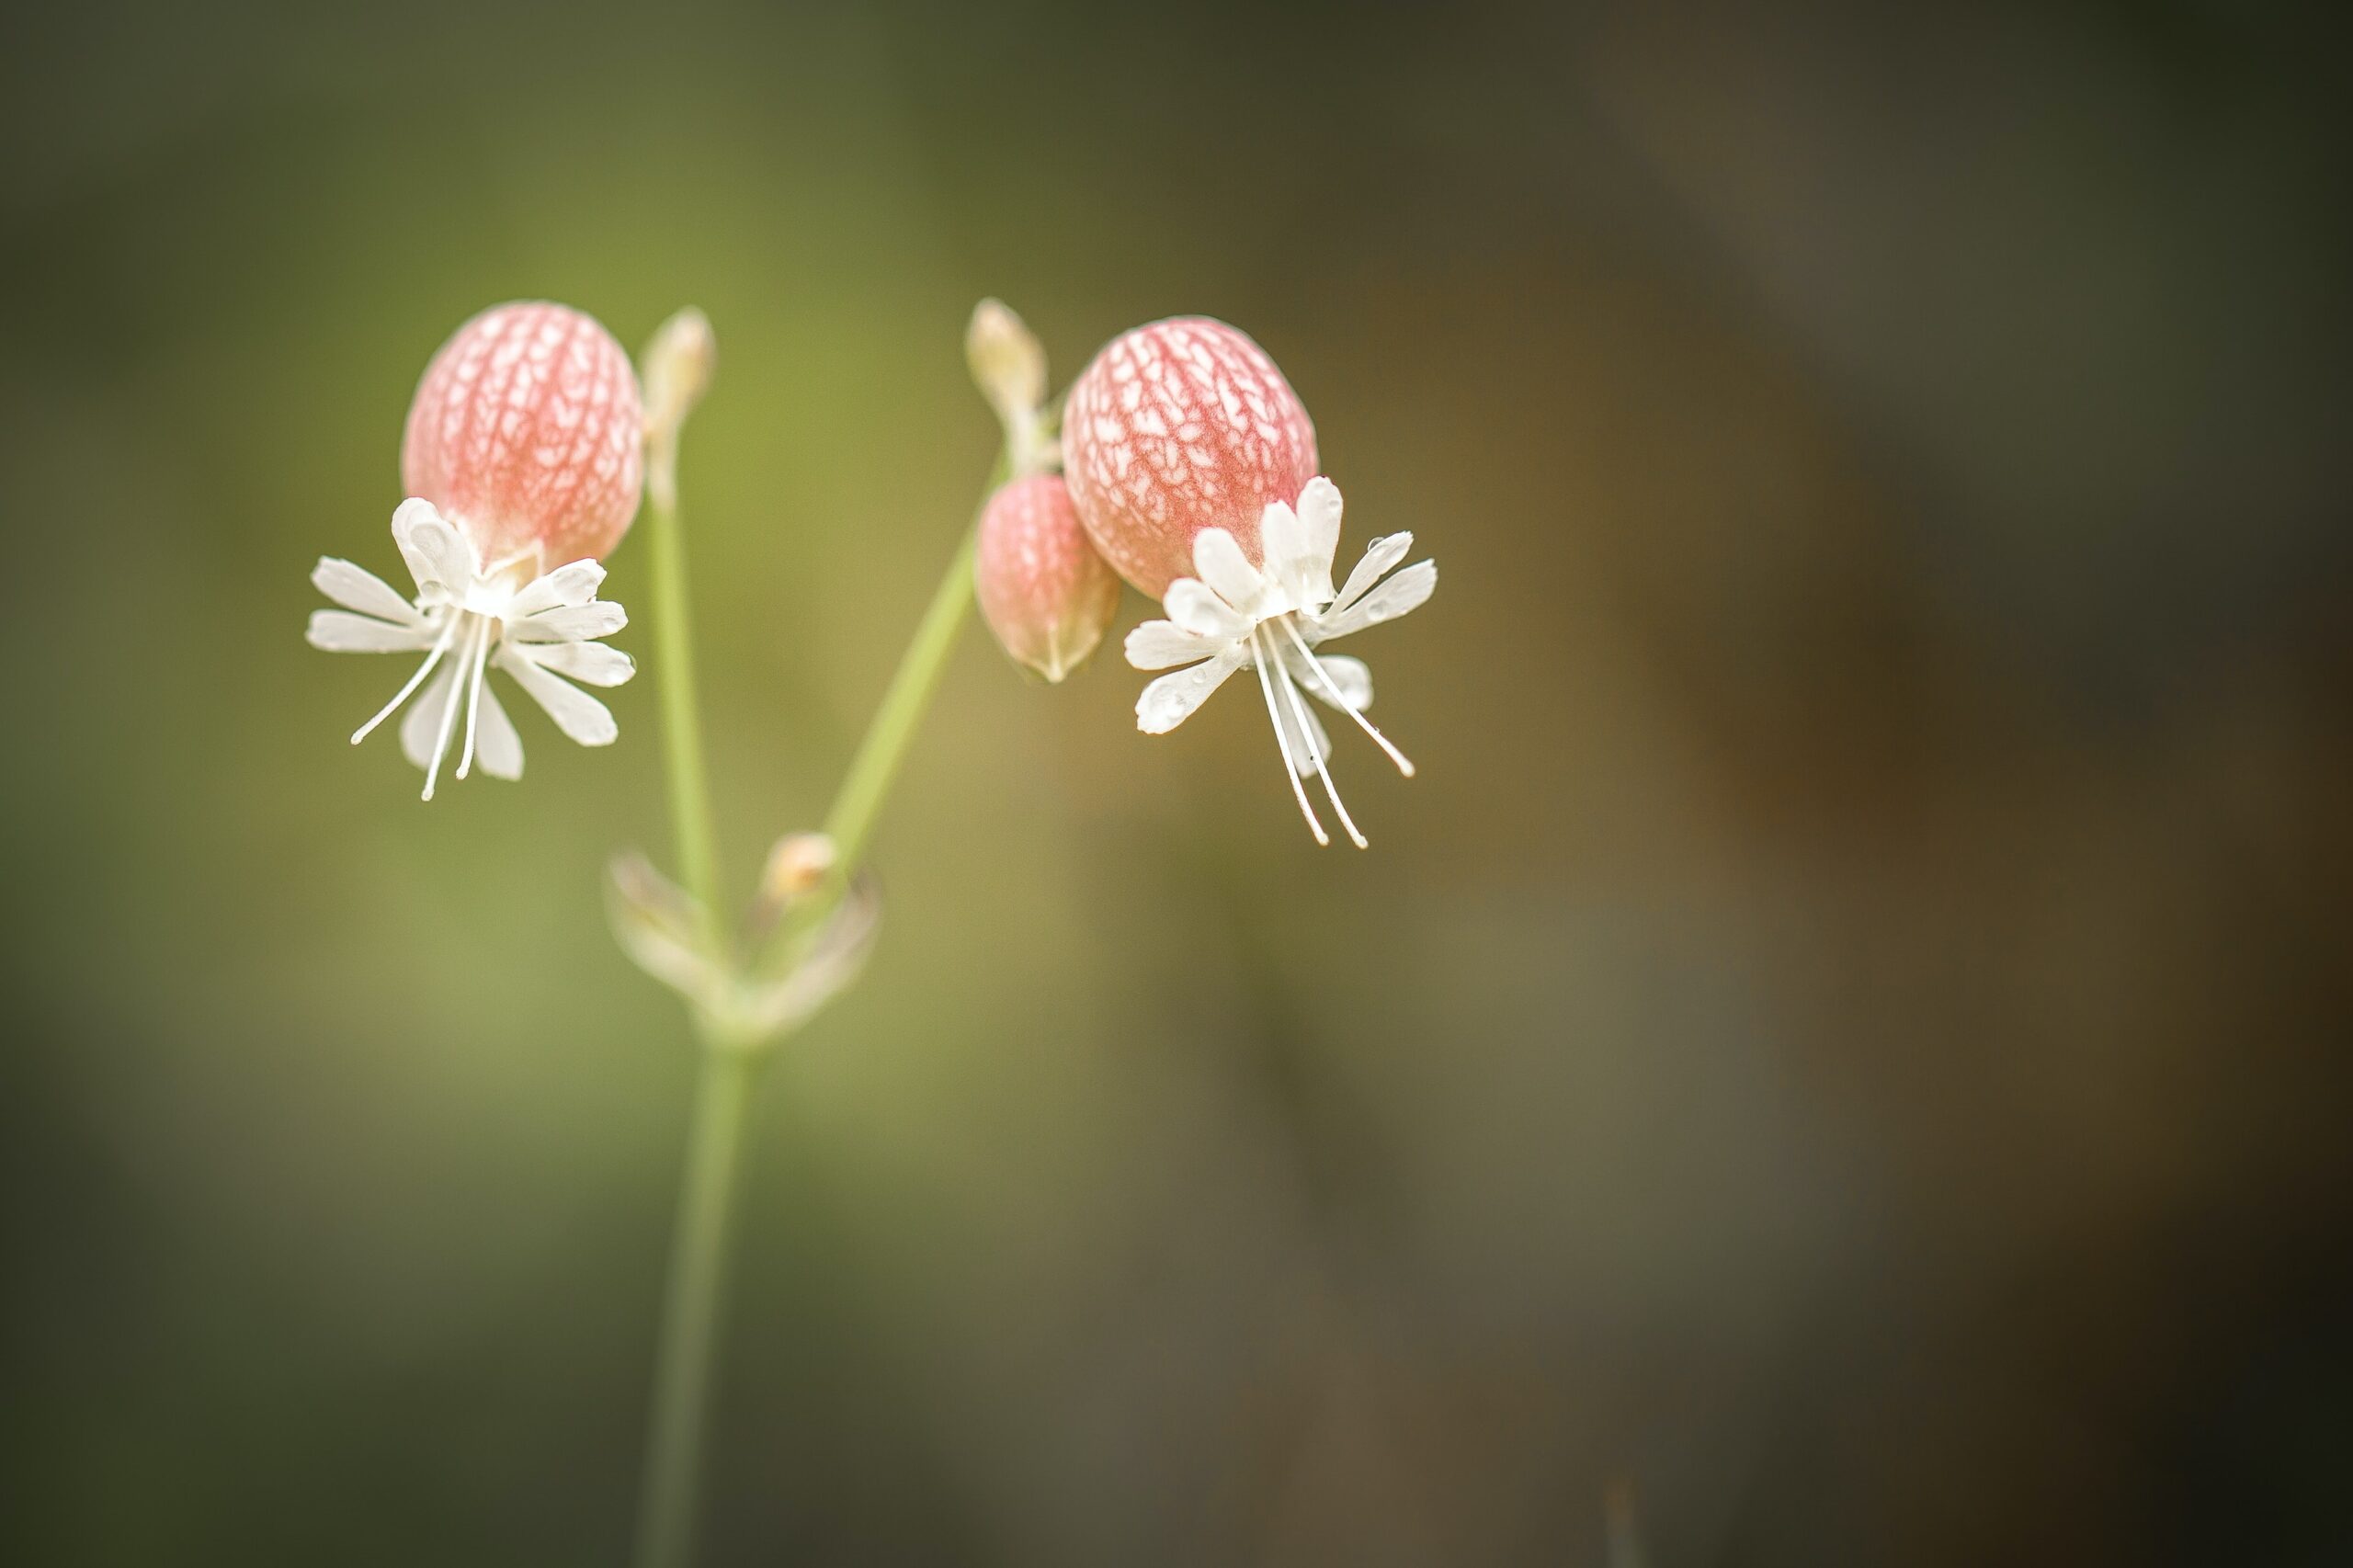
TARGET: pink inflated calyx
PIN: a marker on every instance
(526, 432)
(1177, 426)
(1043, 590)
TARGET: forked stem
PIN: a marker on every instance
(692, 1312)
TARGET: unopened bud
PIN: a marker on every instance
(1045, 593)
(797, 866)
(1007, 364)
(677, 364)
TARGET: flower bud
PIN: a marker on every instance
(524, 433)
(797, 866)
(1045, 593)
(678, 363)
(1007, 364)
(1180, 426)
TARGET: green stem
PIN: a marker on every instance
(674, 652)
(850, 822)
(871, 772)
(690, 1312)
(691, 1309)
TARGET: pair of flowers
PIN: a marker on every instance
(1190, 470)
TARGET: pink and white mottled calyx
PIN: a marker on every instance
(1177, 426)
(1043, 590)
(523, 462)
(528, 431)
(1192, 464)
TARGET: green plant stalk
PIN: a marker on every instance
(674, 652)
(685, 1356)
(688, 1355)
(875, 767)
(850, 825)
(692, 1304)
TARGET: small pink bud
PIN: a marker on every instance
(525, 433)
(1178, 427)
(1045, 593)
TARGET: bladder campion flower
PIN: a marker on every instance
(1043, 590)
(522, 450)
(1189, 453)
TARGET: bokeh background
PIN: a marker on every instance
(1841, 1050)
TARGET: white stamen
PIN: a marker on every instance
(481, 651)
(1290, 768)
(448, 721)
(1351, 708)
(415, 681)
(1331, 791)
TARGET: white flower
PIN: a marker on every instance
(467, 617)
(1239, 616)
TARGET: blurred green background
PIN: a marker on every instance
(1845, 1038)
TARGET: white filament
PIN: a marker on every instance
(1282, 741)
(1332, 689)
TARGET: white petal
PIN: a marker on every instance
(1163, 644)
(355, 588)
(571, 623)
(497, 747)
(438, 555)
(1379, 557)
(1219, 561)
(1404, 592)
(423, 725)
(340, 631)
(574, 585)
(1354, 681)
(1282, 544)
(1196, 607)
(1319, 512)
(1170, 701)
(590, 662)
(575, 712)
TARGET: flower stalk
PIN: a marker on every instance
(809, 900)
(678, 367)
(849, 825)
(687, 1356)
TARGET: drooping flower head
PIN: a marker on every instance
(1043, 590)
(1192, 464)
(523, 465)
